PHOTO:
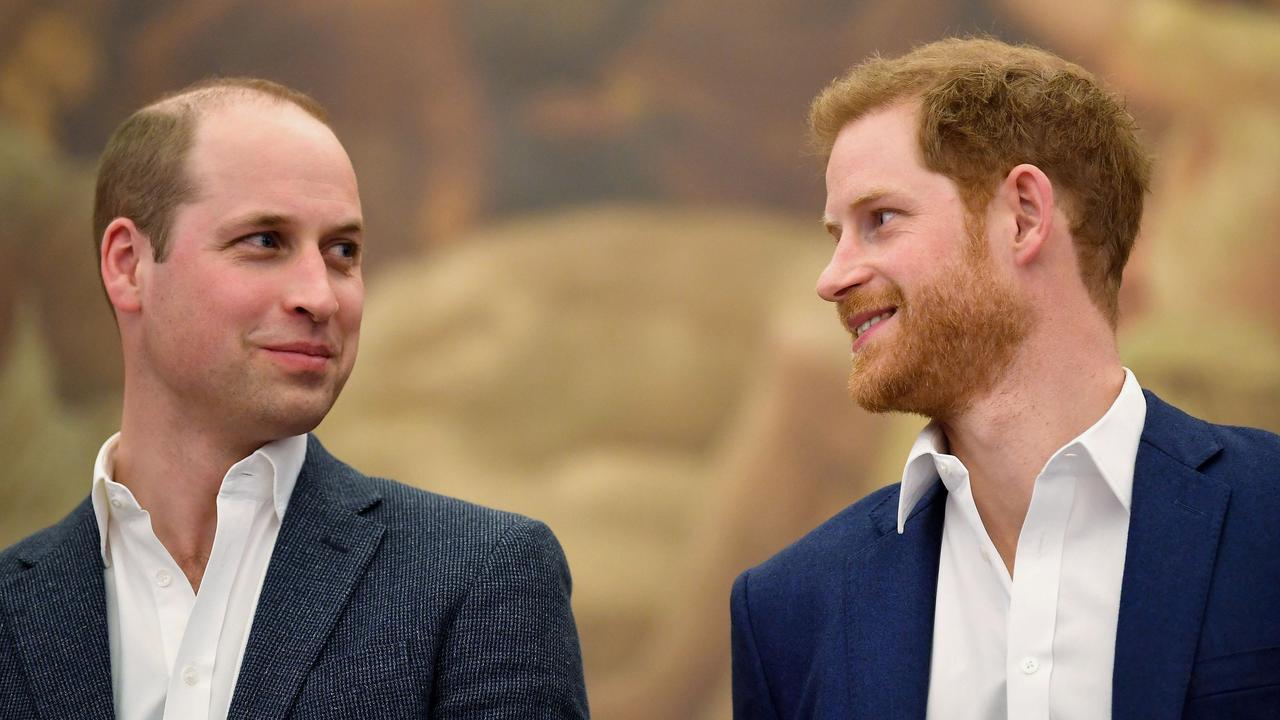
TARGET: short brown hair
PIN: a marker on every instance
(986, 107)
(142, 174)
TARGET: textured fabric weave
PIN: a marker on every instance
(380, 601)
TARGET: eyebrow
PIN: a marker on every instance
(275, 220)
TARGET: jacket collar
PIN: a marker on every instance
(325, 545)
(1174, 527)
(890, 590)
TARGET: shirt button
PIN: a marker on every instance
(189, 675)
(163, 578)
(1030, 665)
(115, 503)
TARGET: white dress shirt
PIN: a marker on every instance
(1041, 644)
(175, 654)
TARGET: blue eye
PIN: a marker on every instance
(883, 216)
(262, 240)
(345, 250)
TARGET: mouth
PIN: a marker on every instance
(303, 348)
(301, 356)
(863, 324)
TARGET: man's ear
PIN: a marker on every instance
(124, 253)
(1027, 194)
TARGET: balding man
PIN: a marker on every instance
(225, 565)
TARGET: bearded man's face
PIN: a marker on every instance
(934, 323)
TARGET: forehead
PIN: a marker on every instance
(878, 150)
(269, 149)
(877, 159)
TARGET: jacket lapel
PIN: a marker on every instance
(890, 609)
(321, 553)
(56, 613)
(1175, 519)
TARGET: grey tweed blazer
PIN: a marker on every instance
(380, 601)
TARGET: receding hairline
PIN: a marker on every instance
(143, 171)
(219, 93)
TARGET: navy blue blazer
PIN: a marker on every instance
(380, 601)
(840, 624)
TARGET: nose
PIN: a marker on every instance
(310, 289)
(844, 273)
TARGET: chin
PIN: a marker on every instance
(871, 385)
(296, 417)
(903, 389)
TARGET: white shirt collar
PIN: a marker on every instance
(1111, 443)
(278, 461)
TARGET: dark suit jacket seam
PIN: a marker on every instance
(493, 553)
(1176, 458)
(870, 546)
(1259, 451)
(475, 580)
(6, 637)
(751, 627)
(874, 543)
(885, 501)
(1219, 693)
(1237, 653)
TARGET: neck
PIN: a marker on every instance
(1058, 386)
(174, 466)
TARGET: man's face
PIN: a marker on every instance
(251, 323)
(934, 322)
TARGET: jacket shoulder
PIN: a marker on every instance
(20, 555)
(816, 554)
(1241, 457)
(438, 533)
(1248, 446)
(401, 506)
(404, 507)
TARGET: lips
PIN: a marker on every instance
(863, 324)
(302, 348)
(303, 356)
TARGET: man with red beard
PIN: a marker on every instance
(1063, 543)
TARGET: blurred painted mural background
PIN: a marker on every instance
(593, 242)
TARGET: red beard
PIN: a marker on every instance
(953, 340)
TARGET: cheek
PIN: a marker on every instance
(217, 313)
(351, 306)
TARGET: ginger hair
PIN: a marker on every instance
(985, 107)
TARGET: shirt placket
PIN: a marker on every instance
(190, 684)
(1033, 603)
(152, 614)
(155, 569)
